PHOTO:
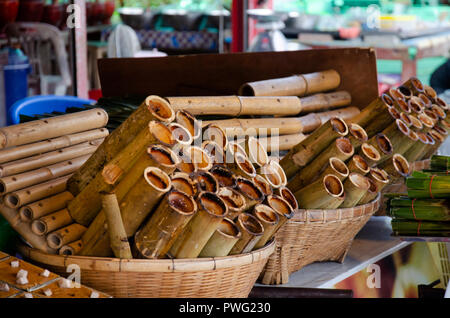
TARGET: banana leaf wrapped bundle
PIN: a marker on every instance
(440, 163)
(420, 209)
(425, 228)
(422, 185)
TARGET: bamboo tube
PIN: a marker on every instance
(213, 132)
(38, 130)
(51, 222)
(416, 105)
(395, 94)
(426, 101)
(182, 182)
(288, 196)
(262, 184)
(65, 235)
(415, 152)
(398, 134)
(153, 108)
(319, 102)
(223, 240)
(256, 152)
(135, 206)
(251, 230)
(405, 92)
(269, 220)
(242, 166)
(336, 167)
(319, 192)
(383, 145)
(414, 85)
(270, 173)
(117, 236)
(45, 206)
(39, 161)
(438, 111)
(284, 142)
(357, 135)
(71, 248)
(358, 164)
(375, 127)
(441, 131)
(159, 156)
(397, 167)
(315, 143)
(432, 115)
(345, 113)
(275, 165)
(341, 148)
(402, 106)
(429, 149)
(438, 140)
(84, 207)
(234, 200)
(182, 136)
(296, 85)
(334, 203)
(250, 191)
(371, 193)
(406, 119)
(205, 181)
(198, 157)
(440, 102)
(380, 177)
(28, 150)
(445, 125)
(185, 163)
(215, 152)
(188, 121)
(355, 187)
(377, 110)
(430, 92)
(224, 176)
(416, 124)
(157, 236)
(211, 211)
(282, 207)
(35, 193)
(31, 178)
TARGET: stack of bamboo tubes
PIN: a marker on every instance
(166, 192)
(36, 160)
(346, 163)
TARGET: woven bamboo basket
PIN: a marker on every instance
(228, 277)
(315, 236)
(399, 187)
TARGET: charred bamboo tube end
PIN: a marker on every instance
(165, 157)
(180, 134)
(251, 192)
(160, 108)
(206, 181)
(263, 185)
(182, 182)
(188, 121)
(215, 133)
(287, 195)
(234, 200)
(162, 133)
(358, 164)
(224, 176)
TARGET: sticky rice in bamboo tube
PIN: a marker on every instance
(30, 178)
(383, 145)
(380, 177)
(341, 148)
(395, 94)
(182, 182)
(269, 220)
(223, 240)
(270, 173)
(416, 105)
(153, 108)
(251, 230)
(188, 121)
(224, 176)
(320, 192)
(315, 143)
(417, 150)
(250, 191)
(430, 92)
(397, 167)
(38, 130)
(357, 135)
(426, 101)
(45, 206)
(216, 134)
(28, 150)
(287, 195)
(262, 184)
(371, 193)
(370, 154)
(211, 211)
(156, 237)
(135, 206)
(205, 181)
(242, 166)
(337, 167)
(282, 207)
(416, 124)
(296, 85)
(256, 151)
(234, 200)
(181, 134)
(438, 111)
(86, 204)
(414, 85)
(358, 164)
(355, 187)
(24, 196)
(192, 159)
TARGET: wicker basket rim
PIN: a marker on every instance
(148, 265)
(365, 209)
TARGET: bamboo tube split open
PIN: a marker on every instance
(51, 222)
(45, 206)
(157, 236)
(28, 150)
(211, 211)
(153, 108)
(251, 230)
(269, 220)
(71, 248)
(288, 196)
(65, 235)
(355, 187)
(223, 240)
(24, 196)
(296, 85)
(315, 143)
(234, 200)
(117, 235)
(182, 182)
(358, 164)
(250, 191)
(320, 192)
